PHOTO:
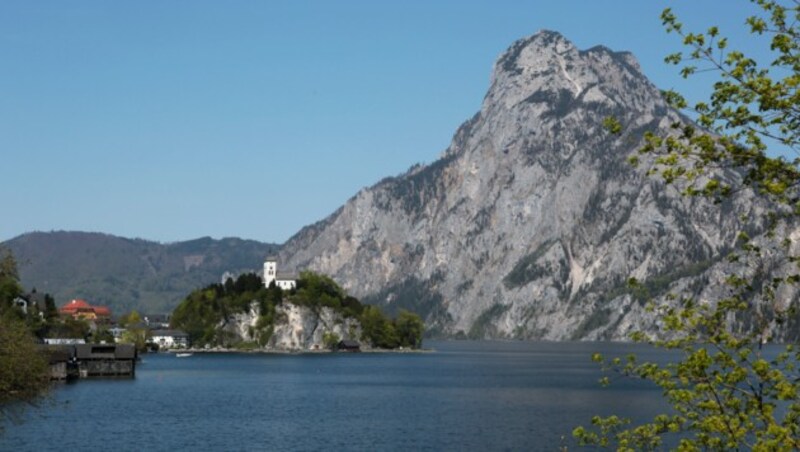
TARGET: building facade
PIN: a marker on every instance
(80, 309)
(170, 338)
(284, 281)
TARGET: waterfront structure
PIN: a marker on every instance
(348, 345)
(285, 281)
(60, 360)
(91, 360)
(106, 360)
(169, 338)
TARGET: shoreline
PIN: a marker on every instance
(271, 351)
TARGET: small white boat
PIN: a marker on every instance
(183, 355)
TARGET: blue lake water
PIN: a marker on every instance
(464, 396)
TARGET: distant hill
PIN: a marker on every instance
(127, 274)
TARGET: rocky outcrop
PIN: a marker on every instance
(296, 328)
(532, 221)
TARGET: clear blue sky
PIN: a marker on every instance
(171, 120)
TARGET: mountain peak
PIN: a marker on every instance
(548, 70)
(522, 53)
(533, 219)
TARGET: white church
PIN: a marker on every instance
(285, 281)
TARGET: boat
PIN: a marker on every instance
(183, 355)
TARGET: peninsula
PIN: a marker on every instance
(284, 312)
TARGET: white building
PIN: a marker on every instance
(169, 338)
(63, 341)
(117, 331)
(284, 281)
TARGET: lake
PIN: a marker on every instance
(464, 396)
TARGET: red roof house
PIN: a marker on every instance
(74, 306)
(81, 309)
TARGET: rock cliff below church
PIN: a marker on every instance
(296, 328)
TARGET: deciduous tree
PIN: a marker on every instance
(23, 369)
(409, 328)
(727, 391)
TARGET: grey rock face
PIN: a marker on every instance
(296, 328)
(532, 221)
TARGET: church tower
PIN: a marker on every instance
(270, 270)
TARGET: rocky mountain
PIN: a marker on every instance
(127, 274)
(532, 220)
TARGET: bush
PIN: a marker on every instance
(330, 339)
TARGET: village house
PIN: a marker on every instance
(156, 321)
(80, 309)
(30, 301)
(169, 338)
(285, 281)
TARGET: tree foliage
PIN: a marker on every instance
(202, 312)
(8, 265)
(316, 290)
(9, 278)
(406, 330)
(752, 106)
(102, 336)
(131, 318)
(409, 328)
(136, 333)
(24, 376)
(728, 390)
(330, 340)
(67, 328)
(377, 329)
(51, 311)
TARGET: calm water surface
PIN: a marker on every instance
(465, 396)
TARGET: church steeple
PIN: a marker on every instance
(270, 270)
